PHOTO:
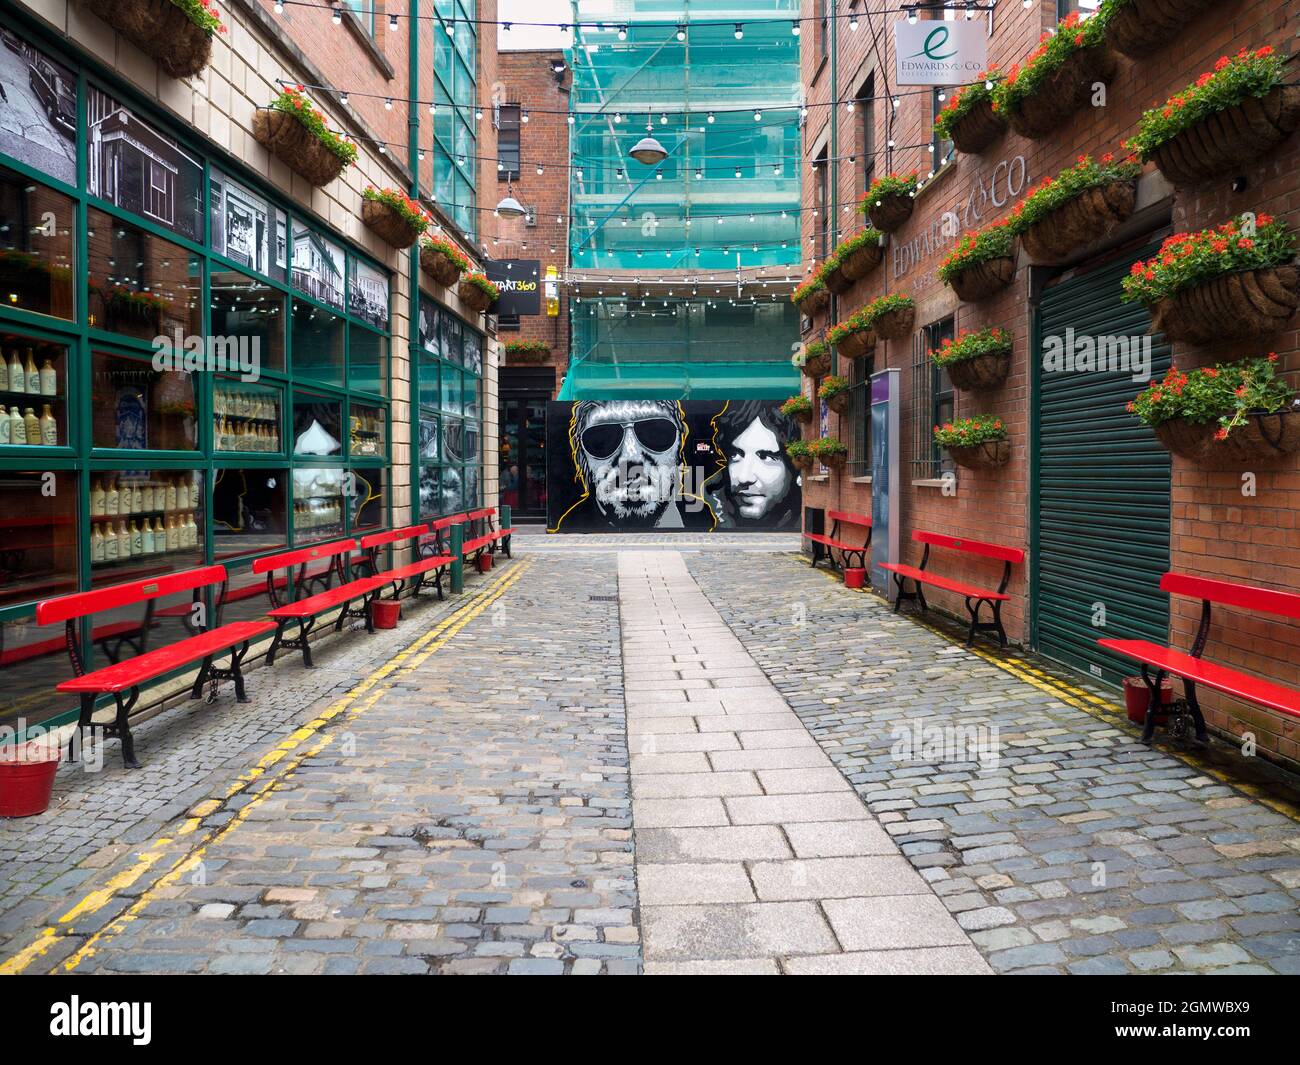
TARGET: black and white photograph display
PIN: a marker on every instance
(241, 224)
(368, 298)
(38, 109)
(318, 267)
(133, 166)
(697, 465)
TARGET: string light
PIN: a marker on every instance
(740, 31)
(337, 16)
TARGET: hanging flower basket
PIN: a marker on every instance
(976, 443)
(889, 201)
(527, 352)
(981, 264)
(835, 281)
(835, 391)
(811, 297)
(393, 215)
(294, 132)
(177, 34)
(1138, 27)
(829, 452)
(968, 118)
(477, 292)
(816, 363)
(1239, 412)
(859, 255)
(442, 262)
(890, 317)
(1057, 78)
(798, 408)
(1229, 116)
(800, 454)
(976, 361)
(1077, 207)
(1220, 284)
(853, 337)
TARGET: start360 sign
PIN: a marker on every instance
(940, 53)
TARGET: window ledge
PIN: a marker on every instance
(819, 477)
(935, 482)
(862, 480)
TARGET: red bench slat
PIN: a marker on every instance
(393, 536)
(1264, 600)
(850, 517)
(1211, 674)
(79, 604)
(832, 543)
(303, 554)
(974, 547)
(414, 569)
(135, 671)
(925, 576)
(328, 599)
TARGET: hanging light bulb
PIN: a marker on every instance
(911, 16)
(523, 117)
(681, 32)
(740, 31)
(663, 120)
(853, 23)
(622, 33)
(794, 28)
(343, 99)
(392, 23)
(279, 7)
(758, 116)
(737, 171)
(698, 173)
(337, 16)
(710, 118)
(541, 169)
(388, 105)
(451, 29)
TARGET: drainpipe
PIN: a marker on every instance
(835, 155)
(413, 307)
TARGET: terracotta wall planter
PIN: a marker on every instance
(978, 128)
(1261, 438)
(855, 345)
(857, 265)
(836, 281)
(895, 325)
(530, 357)
(1250, 303)
(834, 462)
(892, 211)
(1219, 143)
(1140, 27)
(473, 297)
(803, 417)
(1080, 221)
(839, 402)
(387, 221)
(982, 280)
(296, 146)
(817, 366)
(1064, 91)
(440, 267)
(980, 373)
(802, 462)
(161, 30)
(988, 455)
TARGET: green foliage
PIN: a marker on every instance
(1067, 185)
(991, 242)
(833, 386)
(1072, 35)
(1227, 393)
(970, 345)
(963, 432)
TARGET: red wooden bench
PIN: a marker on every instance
(484, 533)
(1194, 670)
(416, 573)
(838, 541)
(305, 610)
(127, 675)
(974, 595)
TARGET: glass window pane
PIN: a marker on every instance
(369, 507)
(318, 266)
(471, 487)
(469, 386)
(140, 285)
(145, 522)
(245, 417)
(249, 512)
(430, 492)
(449, 498)
(33, 392)
(38, 549)
(248, 317)
(139, 408)
(137, 168)
(368, 432)
(318, 338)
(317, 503)
(368, 361)
(453, 440)
(450, 389)
(429, 436)
(429, 384)
(473, 351)
(242, 224)
(36, 245)
(449, 328)
(429, 329)
(317, 425)
(368, 299)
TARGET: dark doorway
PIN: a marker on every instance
(525, 391)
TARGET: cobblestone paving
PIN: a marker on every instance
(1081, 851)
(474, 817)
(753, 853)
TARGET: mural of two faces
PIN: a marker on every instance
(694, 466)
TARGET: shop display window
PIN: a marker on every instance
(141, 286)
(245, 417)
(317, 425)
(139, 408)
(248, 318)
(33, 392)
(249, 511)
(368, 434)
(145, 522)
(36, 246)
(318, 503)
(318, 341)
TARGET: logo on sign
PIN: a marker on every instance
(945, 53)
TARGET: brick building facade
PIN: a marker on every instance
(1207, 525)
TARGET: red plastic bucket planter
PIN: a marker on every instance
(385, 613)
(1137, 698)
(25, 787)
(855, 577)
(484, 562)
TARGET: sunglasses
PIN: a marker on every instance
(604, 440)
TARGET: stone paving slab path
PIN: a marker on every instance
(753, 853)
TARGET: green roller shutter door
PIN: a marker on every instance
(1101, 511)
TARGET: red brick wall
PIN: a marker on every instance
(1216, 531)
(526, 77)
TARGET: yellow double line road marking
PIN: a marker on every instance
(301, 744)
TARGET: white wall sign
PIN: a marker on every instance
(940, 53)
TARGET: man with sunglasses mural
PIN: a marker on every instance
(629, 458)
